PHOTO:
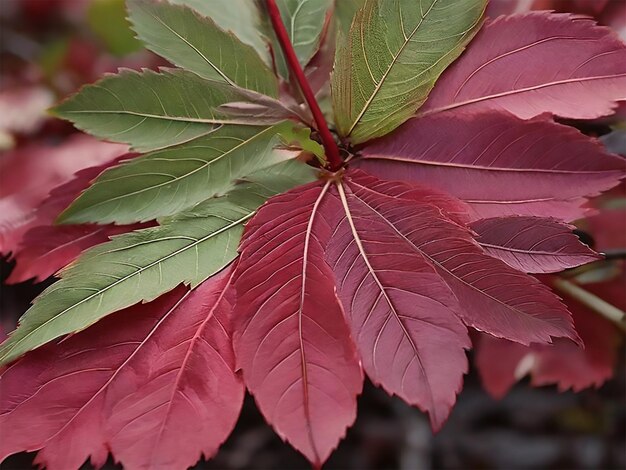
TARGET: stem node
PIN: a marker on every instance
(330, 146)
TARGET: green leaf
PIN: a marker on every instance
(142, 265)
(150, 110)
(304, 21)
(391, 58)
(300, 138)
(242, 17)
(196, 43)
(107, 19)
(168, 181)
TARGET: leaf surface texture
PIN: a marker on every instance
(291, 339)
(158, 393)
(535, 63)
(392, 56)
(499, 164)
(195, 43)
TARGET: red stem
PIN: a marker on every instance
(330, 146)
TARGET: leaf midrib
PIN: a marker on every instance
(517, 91)
(246, 122)
(303, 364)
(361, 248)
(177, 178)
(465, 166)
(183, 366)
(407, 40)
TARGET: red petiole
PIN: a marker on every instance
(330, 146)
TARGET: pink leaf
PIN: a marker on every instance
(535, 63)
(502, 363)
(290, 338)
(401, 313)
(46, 248)
(493, 297)
(497, 163)
(532, 244)
(152, 384)
(27, 175)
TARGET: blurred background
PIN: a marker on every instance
(49, 48)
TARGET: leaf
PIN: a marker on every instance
(532, 244)
(45, 248)
(563, 363)
(197, 44)
(344, 13)
(152, 384)
(150, 110)
(165, 182)
(535, 63)
(300, 138)
(290, 337)
(402, 315)
(497, 163)
(493, 297)
(391, 58)
(242, 17)
(142, 265)
(28, 173)
(305, 21)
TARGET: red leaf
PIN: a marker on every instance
(587, 7)
(290, 338)
(502, 363)
(401, 313)
(28, 174)
(153, 384)
(46, 248)
(499, 164)
(532, 244)
(493, 297)
(535, 63)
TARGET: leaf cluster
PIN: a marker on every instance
(244, 257)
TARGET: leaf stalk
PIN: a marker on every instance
(592, 301)
(330, 146)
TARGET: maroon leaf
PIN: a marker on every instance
(46, 248)
(535, 63)
(401, 313)
(532, 244)
(501, 363)
(497, 163)
(28, 174)
(152, 384)
(290, 338)
(493, 297)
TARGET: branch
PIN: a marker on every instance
(330, 146)
(592, 301)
